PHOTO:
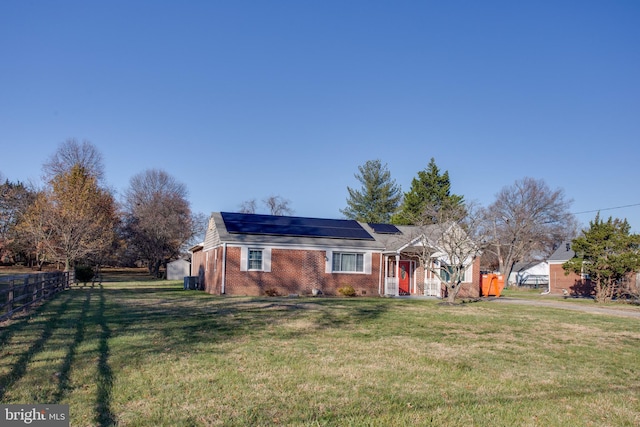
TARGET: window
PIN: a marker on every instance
(255, 259)
(349, 262)
(448, 271)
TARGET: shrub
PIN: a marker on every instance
(271, 292)
(347, 291)
(84, 273)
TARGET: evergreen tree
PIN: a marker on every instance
(378, 198)
(607, 252)
(429, 189)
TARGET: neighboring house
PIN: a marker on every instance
(248, 254)
(178, 269)
(533, 274)
(580, 285)
(573, 284)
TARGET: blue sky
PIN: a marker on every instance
(247, 99)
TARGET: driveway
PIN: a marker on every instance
(624, 311)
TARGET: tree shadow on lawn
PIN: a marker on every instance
(157, 319)
(104, 416)
(69, 314)
(47, 325)
(178, 319)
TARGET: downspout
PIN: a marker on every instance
(380, 276)
(548, 291)
(224, 269)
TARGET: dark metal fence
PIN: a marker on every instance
(20, 292)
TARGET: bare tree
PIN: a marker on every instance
(248, 206)
(278, 205)
(525, 222)
(448, 247)
(71, 153)
(158, 218)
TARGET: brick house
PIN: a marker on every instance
(248, 254)
(580, 285)
(574, 284)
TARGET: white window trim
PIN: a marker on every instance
(244, 258)
(366, 260)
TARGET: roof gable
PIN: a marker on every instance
(563, 253)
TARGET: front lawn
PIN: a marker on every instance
(152, 354)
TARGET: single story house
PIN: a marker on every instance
(573, 284)
(249, 254)
(532, 274)
(580, 284)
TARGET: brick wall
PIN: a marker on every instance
(572, 282)
(296, 272)
(472, 289)
(208, 267)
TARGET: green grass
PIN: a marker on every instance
(152, 354)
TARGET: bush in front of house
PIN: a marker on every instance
(271, 292)
(347, 291)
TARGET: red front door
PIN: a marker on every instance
(404, 281)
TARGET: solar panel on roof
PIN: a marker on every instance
(384, 228)
(294, 226)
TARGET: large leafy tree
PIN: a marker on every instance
(607, 252)
(525, 221)
(158, 218)
(378, 198)
(15, 199)
(430, 191)
(73, 220)
(33, 229)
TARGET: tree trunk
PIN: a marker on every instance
(605, 291)
(452, 292)
(154, 268)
